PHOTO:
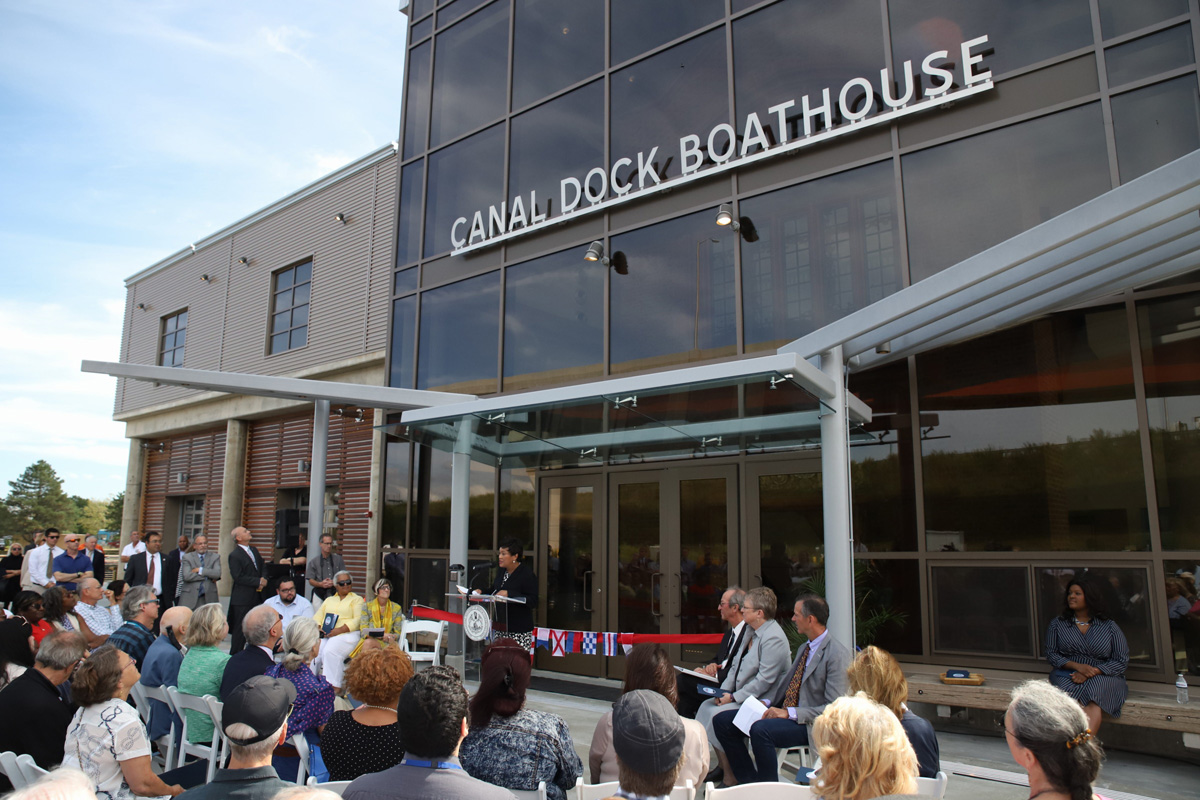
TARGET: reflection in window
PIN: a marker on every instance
(703, 559)
(289, 307)
(427, 581)
(669, 95)
(456, 9)
(459, 324)
(638, 26)
(1150, 55)
(405, 281)
(1155, 125)
(1119, 17)
(1029, 439)
(470, 78)
(825, 248)
(408, 226)
(570, 511)
(982, 610)
(416, 100)
(639, 591)
(562, 138)
(515, 508)
(788, 50)
(676, 303)
(463, 178)
(555, 44)
(1020, 32)
(1169, 332)
(171, 341)
(431, 525)
(965, 196)
(1183, 614)
(894, 586)
(396, 494)
(553, 321)
(882, 485)
(403, 349)
(419, 30)
(791, 528)
(1126, 598)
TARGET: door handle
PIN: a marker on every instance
(657, 576)
(588, 582)
(679, 588)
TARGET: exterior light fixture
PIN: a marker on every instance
(204, 278)
(358, 415)
(595, 252)
(244, 261)
(884, 349)
(744, 225)
(158, 448)
(140, 306)
(725, 215)
(340, 217)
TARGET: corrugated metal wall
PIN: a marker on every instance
(198, 456)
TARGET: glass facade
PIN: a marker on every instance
(1000, 466)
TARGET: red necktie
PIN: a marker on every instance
(150, 573)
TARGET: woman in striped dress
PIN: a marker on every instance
(1089, 653)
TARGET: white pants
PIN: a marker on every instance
(704, 715)
(334, 652)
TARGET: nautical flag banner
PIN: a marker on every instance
(588, 644)
(558, 643)
(572, 645)
(541, 637)
(610, 644)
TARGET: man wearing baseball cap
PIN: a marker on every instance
(254, 719)
(648, 736)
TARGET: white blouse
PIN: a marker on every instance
(99, 738)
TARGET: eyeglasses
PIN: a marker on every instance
(343, 583)
(52, 537)
(155, 601)
(127, 666)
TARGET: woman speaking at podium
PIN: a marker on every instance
(516, 580)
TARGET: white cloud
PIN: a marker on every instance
(281, 40)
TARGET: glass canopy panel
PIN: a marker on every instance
(757, 412)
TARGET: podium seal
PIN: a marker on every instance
(476, 623)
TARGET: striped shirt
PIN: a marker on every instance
(133, 639)
(1103, 647)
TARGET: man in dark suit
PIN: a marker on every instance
(262, 628)
(249, 574)
(171, 578)
(150, 569)
(730, 609)
(93, 551)
(816, 679)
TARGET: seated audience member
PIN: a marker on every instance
(864, 752)
(380, 614)
(730, 609)
(510, 745)
(341, 640)
(63, 783)
(203, 665)
(114, 594)
(649, 739)
(16, 649)
(140, 609)
(254, 719)
(106, 738)
(817, 677)
(98, 621)
(288, 604)
(876, 673)
(432, 713)
(58, 608)
(34, 699)
(262, 629)
(649, 667)
(314, 696)
(759, 670)
(30, 606)
(162, 668)
(368, 739)
(1048, 736)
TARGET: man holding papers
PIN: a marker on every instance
(816, 679)
(758, 668)
(686, 682)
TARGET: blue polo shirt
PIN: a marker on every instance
(64, 563)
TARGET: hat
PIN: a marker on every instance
(262, 703)
(647, 732)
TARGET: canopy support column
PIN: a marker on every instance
(835, 483)
(316, 482)
(460, 502)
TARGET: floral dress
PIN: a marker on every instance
(99, 738)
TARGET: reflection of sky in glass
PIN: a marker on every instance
(470, 74)
(639, 26)
(459, 324)
(559, 139)
(395, 481)
(555, 44)
(416, 104)
(464, 178)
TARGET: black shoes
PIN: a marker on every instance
(715, 775)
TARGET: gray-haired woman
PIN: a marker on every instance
(338, 617)
(1048, 736)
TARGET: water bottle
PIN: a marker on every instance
(1181, 689)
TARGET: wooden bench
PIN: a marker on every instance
(1148, 705)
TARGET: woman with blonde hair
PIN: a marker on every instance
(203, 665)
(1047, 734)
(864, 751)
(876, 673)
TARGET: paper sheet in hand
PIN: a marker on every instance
(750, 712)
(695, 673)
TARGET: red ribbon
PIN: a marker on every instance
(424, 612)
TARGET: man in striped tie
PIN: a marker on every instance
(816, 679)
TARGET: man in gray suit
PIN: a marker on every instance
(198, 575)
(816, 679)
(759, 670)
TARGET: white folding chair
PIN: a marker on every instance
(596, 791)
(11, 769)
(212, 751)
(337, 787)
(807, 759)
(138, 693)
(531, 794)
(301, 744)
(160, 694)
(29, 768)
(215, 710)
(933, 787)
(413, 627)
(759, 791)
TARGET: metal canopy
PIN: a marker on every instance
(1144, 231)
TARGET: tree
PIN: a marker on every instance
(91, 518)
(36, 500)
(116, 510)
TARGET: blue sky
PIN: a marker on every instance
(129, 130)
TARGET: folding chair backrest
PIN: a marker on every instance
(29, 768)
(337, 787)
(412, 627)
(595, 791)
(685, 792)
(301, 744)
(10, 767)
(212, 751)
(531, 794)
(140, 701)
(759, 791)
(933, 787)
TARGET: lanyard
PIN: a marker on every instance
(412, 762)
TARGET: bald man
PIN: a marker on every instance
(161, 666)
(249, 574)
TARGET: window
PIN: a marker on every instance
(289, 313)
(174, 330)
(191, 517)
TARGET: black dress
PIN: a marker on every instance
(351, 749)
(521, 582)
(9, 586)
